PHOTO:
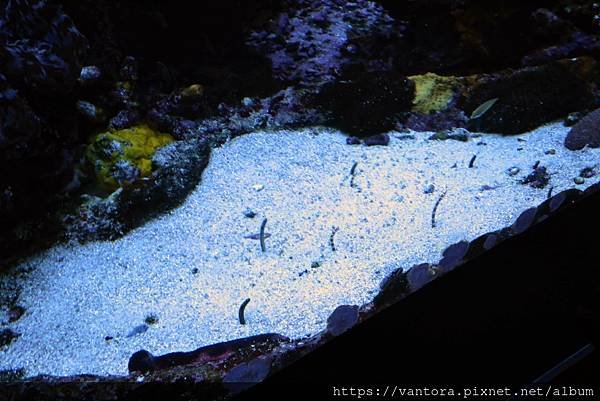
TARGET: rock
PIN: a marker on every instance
(6, 337)
(587, 172)
(459, 134)
(366, 104)
(491, 240)
(377, 140)
(419, 275)
(585, 132)
(453, 256)
(312, 41)
(433, 93)
(124, 119)
(15, 313)
(249, 213)
(532, 96)
(476, 247)
(89, 75)
(579, 180)
(247, 374)
(352, 140)
(524, 221)
(142, 361)
(513, 171)
(41, 52)
(392, 288)
(563, 199)
(574, 118)
(91, 112)
(343, 318)
(429, 189)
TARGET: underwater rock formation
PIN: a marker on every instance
(531, 96)
(367, 104)
(313, 41)
(585, 132)
(41, 53)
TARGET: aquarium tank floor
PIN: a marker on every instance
(340, 218)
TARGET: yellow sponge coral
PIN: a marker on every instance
(124, 156)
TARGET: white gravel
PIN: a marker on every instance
(75, 296)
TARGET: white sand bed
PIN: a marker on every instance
(75, 296)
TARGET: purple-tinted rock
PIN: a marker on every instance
(476, 247)
(312, 41)
(440, 121)
(247, 374)
(343, 318)
(419, 275)
(563, 198)
(585, 132)
(453, 256)
(352, 140)
(491, 240)
(377, 140)
(525, 220)
(392, 288)
(592, 189)
(575, 45)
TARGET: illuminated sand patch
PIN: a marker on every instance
(300, 181)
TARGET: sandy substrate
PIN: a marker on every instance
(193, 267)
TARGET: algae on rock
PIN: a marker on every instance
(124, 156)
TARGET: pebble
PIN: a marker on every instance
(579, 180)
(258, 187)
(429, 189)
(513, 171)
(377, 140)
(249, 213)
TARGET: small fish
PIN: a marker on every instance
(483, 108)
(256, 236)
